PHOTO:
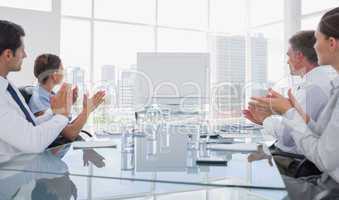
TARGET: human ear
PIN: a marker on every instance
(8, 53)
(333, 43)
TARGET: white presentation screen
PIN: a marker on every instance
(171, 77)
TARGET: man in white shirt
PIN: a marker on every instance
(20, 131)
(312, 93)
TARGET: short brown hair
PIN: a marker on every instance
(45, 65)
(304, 41)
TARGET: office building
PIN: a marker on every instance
(76, 76)
(126, 87)
(230, 71)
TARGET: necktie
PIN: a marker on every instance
(16, 98)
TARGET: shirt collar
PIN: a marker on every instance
(43, 92)
(3, 84)
(316, 73)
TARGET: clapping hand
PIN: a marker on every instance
(256, 115)
(61, 103)
(90, 104)
(250, 116)
(298, 107)
(75, 93)
(274, 102)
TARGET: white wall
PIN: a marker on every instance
(42, 36)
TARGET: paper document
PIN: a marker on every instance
(107, 133)
(238, 135)
(239, 126)
(238, 147)
(94, 144)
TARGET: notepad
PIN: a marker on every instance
(94, 144)
(238, 147)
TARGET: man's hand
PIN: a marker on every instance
(274, 94)
(248, 115)
(274, 102)
(259, 113)
(90, 104)
(75, 94)
(256, 115)
(61, 103)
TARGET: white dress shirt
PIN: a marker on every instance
(17, 135)
(319, 141)
(312, 94)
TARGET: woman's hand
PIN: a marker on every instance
(61, 103)
(75, 94)
(298, 107)
(90, 104)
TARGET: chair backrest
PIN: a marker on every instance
(27, 92)
(306, 168)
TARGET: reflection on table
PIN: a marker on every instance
(164, 153)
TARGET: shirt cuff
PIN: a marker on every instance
(290, 113)
(311, 124)
(60, 119)
(268, 121)
(268, 125)
(49, 112)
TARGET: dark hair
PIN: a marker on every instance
(10, 36)
(329, 23)
(45, 65)
(304, 41)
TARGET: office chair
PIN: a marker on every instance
(27, 92)
(303, 167)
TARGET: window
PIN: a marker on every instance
(75, 44)
(310, 23)
(171, 40)
(118, 44)
(80, 8)
(227, 30)
(265, 11)
(185, 14)
(40, 5)
(311, 6)
(226, 18)
(275, 50)
(141, 11)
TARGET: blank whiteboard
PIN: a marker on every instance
(172, 76)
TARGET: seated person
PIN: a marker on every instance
(312, 92)
(317, 140)
(21, 131)
(48, 69)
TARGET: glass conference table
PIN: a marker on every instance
(161, 161)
